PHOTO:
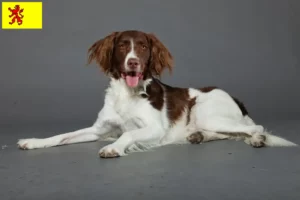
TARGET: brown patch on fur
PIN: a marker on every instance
(195, 138)
(191, 103)
(102, 52)
(207, 89)
(155, 94)
(160, 58)
(178, 101)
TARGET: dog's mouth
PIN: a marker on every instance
(132, 78)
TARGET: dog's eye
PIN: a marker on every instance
(144, 47)
(121, 45)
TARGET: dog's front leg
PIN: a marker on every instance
(142, 135)
(106, 122)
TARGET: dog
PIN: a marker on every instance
(140, 112)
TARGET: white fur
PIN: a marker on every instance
(139, 126)
(131, 54)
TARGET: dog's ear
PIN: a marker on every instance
(160, 58)
(102, 52)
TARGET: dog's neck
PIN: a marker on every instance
(119, 86)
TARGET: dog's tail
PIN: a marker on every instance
(276, 141)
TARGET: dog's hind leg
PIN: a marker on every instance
(226, 128)
(205, 136)
(252, 134)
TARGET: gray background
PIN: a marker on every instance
(250, 48)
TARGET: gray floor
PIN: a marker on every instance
(217, 170)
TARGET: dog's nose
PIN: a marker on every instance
(133, 63)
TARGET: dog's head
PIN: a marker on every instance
(131, 55)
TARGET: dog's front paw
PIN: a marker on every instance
(31, 143)
(110, 151)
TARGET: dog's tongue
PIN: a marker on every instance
(132, 81)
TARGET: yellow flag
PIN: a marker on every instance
(22, 15)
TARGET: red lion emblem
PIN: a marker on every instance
(16, 14)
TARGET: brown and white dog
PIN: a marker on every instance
(142, 112)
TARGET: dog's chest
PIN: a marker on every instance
(134, 111)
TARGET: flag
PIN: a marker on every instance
(22, 15)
